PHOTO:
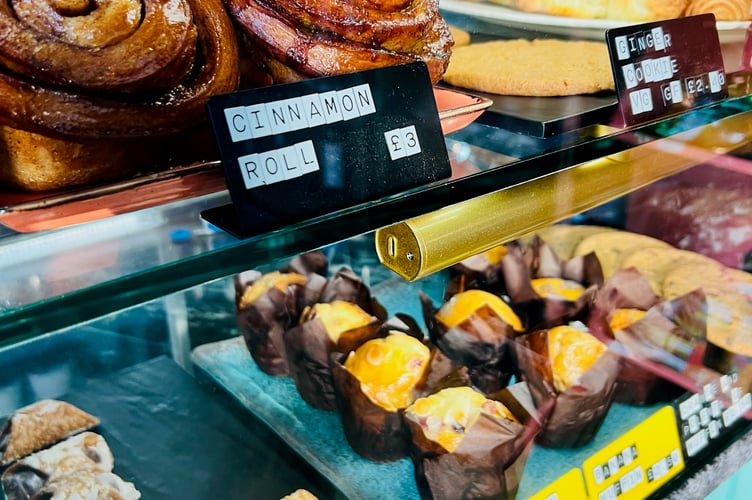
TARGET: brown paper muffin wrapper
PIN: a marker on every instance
(666, 352)
(475, 272)
(309, 347)
(346, 285)
(309, 263)
(373, 432)
(626, 288)
(263, 323)
(488, 463)
(635, 385)
(481, 343)
(669, 342)
(540, 261)
(578, 412)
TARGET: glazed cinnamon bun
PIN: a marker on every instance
(617, 10)
(306, 38)
(95, 90)
(724, 10)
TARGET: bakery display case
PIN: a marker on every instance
(123, 300)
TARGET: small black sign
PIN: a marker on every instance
(296, 151)
(666, 67)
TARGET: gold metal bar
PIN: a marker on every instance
(426, 244)
(423, 245)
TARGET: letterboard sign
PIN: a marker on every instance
(666, 67)
(296, 151)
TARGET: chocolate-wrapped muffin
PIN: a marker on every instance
(378, 379)
(309, 263)
(325, 328)
(482, 271)
(571, 371)
(266, 306)
(670, 341)
(465, 445)
(348, 286)
(345, 316)
(623, 302)
(474, 328)
(546, 290)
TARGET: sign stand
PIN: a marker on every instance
(302, 150)
(666, 67)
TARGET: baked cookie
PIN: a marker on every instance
(564, 238)
(645, 10)
(543, 67)
(714, 279)
(729, 301)
(612, 247)
(460, 36)
(615, 10)
(654, 263)
(587, 9)
(729, 322)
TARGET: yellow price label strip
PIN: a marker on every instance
(570, 486)
(637, 463)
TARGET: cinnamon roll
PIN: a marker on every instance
(300, 39)
(95, 90)
(724, 10)
(645, 10)
(616, 10)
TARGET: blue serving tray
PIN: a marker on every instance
(318, 437)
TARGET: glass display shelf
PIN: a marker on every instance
(50, 280)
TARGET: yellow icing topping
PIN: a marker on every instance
(338, 316)
(462, 305)
(495, 254)
(389, 368)
(447, 415)
(572, 352)
(622, 318)
(268, 281)
(550, 287)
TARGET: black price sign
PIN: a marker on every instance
(666, 67)
(293, 152)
